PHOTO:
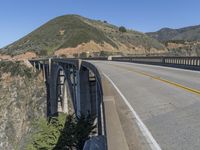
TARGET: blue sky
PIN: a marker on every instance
(19, 17)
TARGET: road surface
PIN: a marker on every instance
(167, 100)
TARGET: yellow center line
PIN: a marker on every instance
(191, 90)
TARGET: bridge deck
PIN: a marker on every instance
(167, 100)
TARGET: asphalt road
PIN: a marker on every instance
(163, 98)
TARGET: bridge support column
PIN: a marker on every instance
(65, 98)
(77, 93)
(39, 66)
(62, 92)
(60, 89)
(85, 102)
(52, 102)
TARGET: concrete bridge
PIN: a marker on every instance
(138, 102)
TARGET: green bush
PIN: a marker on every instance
(47, 133)
(122, 29)
(61, 133)
(75, 133)
(105, 21)
(105, 53)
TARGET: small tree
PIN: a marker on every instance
(122, 29)
(104, 53)
(105, 21)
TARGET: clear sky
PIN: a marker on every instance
(19, 17)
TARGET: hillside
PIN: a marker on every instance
(22, 101)
(180, 42)
(70, 34)
(191, 33)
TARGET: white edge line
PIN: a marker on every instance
(146, 133)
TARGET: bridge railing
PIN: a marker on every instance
(191, 61)
(179, 62)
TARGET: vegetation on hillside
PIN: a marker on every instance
(15, 68)
(61, 133)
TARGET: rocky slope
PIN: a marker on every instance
(183, 48)
(70, 34)
(22, 101)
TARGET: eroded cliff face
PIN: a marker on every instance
(22, 101)
(183, 48)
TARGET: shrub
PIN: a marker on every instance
(122, 29)
(61, 133)
(105, 53)
(47, 134)
(75, 133)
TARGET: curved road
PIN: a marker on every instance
(167, 100)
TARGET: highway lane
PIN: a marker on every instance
(171, 113)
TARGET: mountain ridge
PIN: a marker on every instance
(189, 33)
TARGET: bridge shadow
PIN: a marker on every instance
(75, 132)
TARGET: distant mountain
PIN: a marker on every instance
(179, 42)
(74, 34)
(191, 33)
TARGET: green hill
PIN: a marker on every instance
(69, 31)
